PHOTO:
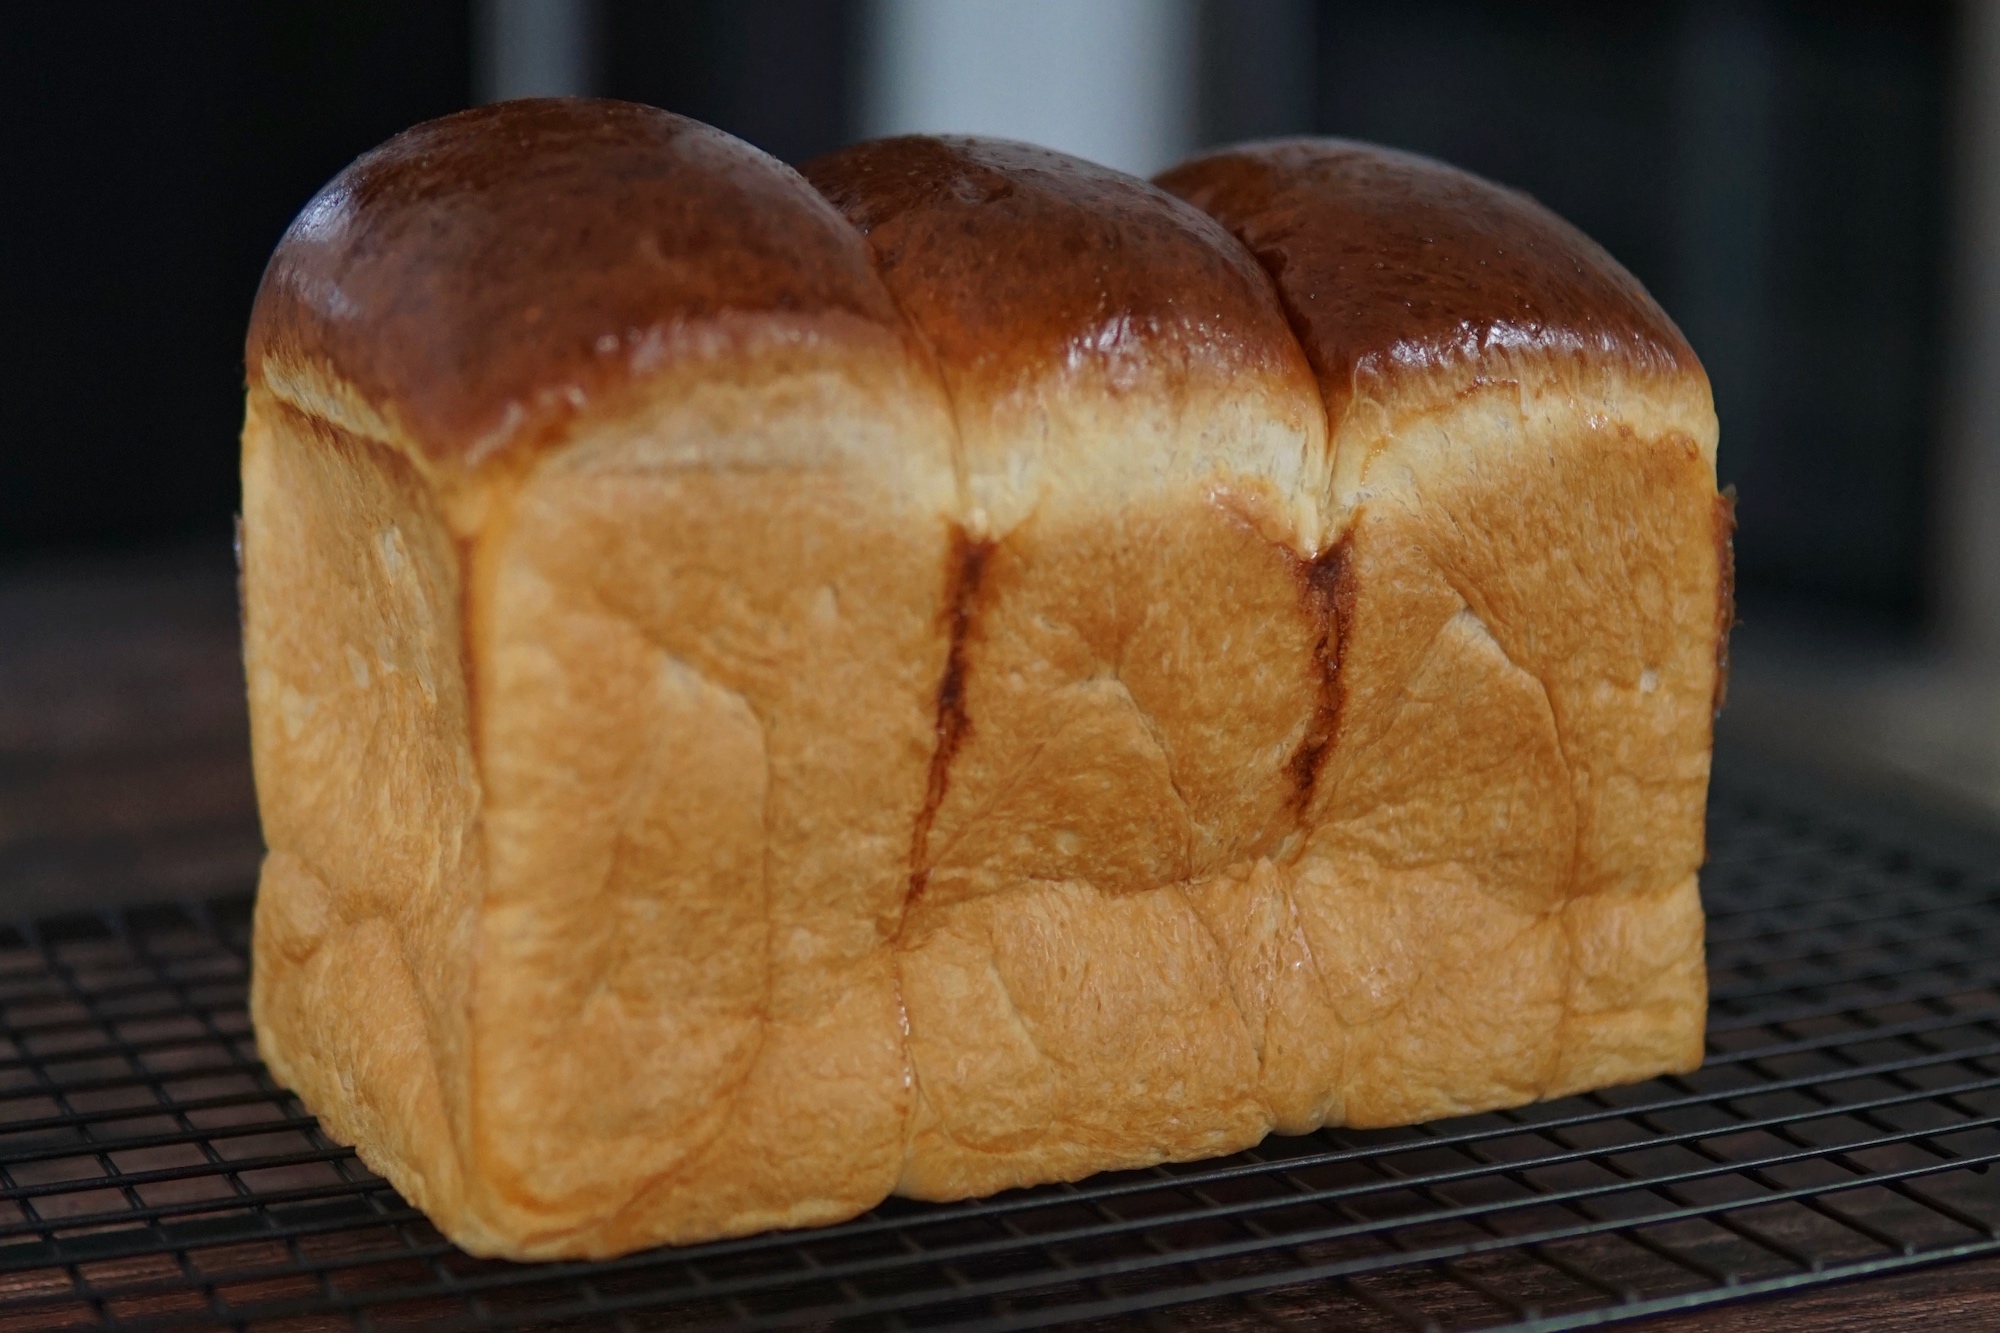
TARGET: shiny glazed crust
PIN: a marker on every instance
(760, 702)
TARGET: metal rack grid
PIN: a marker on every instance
(152, 1175)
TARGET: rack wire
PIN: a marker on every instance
(152, 1175)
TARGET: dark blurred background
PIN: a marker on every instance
(1775, 173)
(1800, 184)
(159, 151)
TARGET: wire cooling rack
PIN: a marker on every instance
(152, 1175)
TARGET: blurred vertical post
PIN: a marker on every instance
(1109, 80)
(1969, 484)
(533, 48)
(1719, 288)
(1259, 69)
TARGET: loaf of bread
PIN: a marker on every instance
(960, 669)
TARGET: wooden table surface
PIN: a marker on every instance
(125, 776)
(124, 760)
(1935, 1300)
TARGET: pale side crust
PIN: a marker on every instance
(702, 786)
(676, 959)
(1176, 885)
(368, 789)
(1489, 895)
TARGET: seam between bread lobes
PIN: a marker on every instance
(968, 561)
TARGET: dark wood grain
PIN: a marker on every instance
(1947, 1299)
(124, 746)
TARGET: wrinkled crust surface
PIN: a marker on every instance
(698, 763)
(1457, 872)
(704, 759)
(369, 793)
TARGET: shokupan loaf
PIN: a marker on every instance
(969, 671)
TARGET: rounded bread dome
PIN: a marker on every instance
(504, 265)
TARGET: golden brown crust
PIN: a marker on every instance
(1131, 664)
(1018, 262)
(480, 274)
(1400, 265)
(1101, 764)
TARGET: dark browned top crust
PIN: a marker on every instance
(492, 267)
(1391, 262)
(1017, 262)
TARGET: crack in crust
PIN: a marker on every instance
(1326, 589)
(1725, 591)
(966, 563)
